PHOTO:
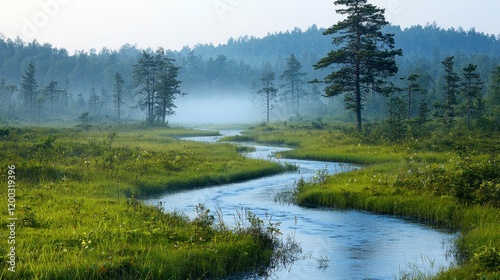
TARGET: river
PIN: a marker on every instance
(335, 244)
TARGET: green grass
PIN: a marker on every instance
(446, 181)
(79, 216)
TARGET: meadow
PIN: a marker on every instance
(447, 180)
(77, 195)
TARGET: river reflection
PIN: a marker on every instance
(335, 244)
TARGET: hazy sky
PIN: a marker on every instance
(172, 24)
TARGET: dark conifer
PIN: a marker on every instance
(365, 57)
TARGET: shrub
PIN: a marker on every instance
(470, 180)
(487, 259)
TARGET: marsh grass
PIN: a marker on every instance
(423, 269)
(80, 215)
(448, 181)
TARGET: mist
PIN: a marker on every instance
(219, 108)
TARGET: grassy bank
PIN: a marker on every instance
(79, 217)
(445, 180)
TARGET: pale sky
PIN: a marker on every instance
(172, 24)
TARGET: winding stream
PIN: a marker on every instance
(352, 244)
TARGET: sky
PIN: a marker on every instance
(173, 24)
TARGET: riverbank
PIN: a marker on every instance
(444, 181)
(335, 244)
(78, 215)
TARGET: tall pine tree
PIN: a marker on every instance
(144, 75)
(118, 90)
(471, 89)
(447, 111)
(52, 94)
(94, 104)
(29, 90)
(168, 86)
(268, 91)
(412, 88)
(293, 79)
(365, 57)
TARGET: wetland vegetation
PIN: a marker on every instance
(78, 196)
(80, 217)
(448, 180)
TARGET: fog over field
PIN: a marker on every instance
(215, 109)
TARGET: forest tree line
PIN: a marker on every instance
(71, 84)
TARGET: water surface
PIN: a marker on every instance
(352, 244)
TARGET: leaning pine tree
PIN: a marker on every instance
(364, 59)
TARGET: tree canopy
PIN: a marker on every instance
(364, 59)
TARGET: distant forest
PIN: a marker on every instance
(69, 84)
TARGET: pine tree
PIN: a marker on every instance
(94, 104)
(293, 79)
(144, 75)
(158, 77)
(66, 95)
(29, 90)
(447, 111)
(365, 57)
(52, 93)
(412, 88)
(118, 93)
(168, 86)
(397, 118)
(471, 89)
(268, 91)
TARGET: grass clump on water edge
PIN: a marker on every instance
(448, 181)
(79, 216)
